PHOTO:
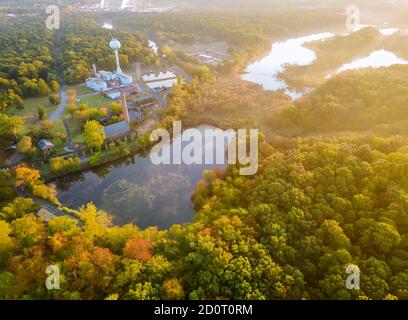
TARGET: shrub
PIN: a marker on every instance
(65, 165)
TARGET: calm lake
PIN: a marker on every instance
(136, 191)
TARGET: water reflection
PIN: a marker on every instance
(136, 191)
(265, 71)
(376, 59)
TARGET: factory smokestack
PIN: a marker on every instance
(125, 109)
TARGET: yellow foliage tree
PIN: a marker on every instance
(26, 176)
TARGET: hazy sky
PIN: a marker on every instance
(228, 3)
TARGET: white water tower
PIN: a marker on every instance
(115, 46)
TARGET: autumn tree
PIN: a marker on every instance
(25, 145)
(55, 87)
(43, 89)
(172, 290)
(54, 99)
(94, 135)
(26, 176)
(138, 248)
(9, 126)
(18, 208)
(41, 113)
(6, 242)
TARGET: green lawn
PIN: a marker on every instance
(80, 89)
(95, 101)
(30, 111)
(58, 130)
(76, 130)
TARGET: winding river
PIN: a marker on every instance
(292, 52)
(265, 71)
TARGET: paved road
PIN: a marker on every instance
(69, 145)
(60, 74)
(46, 205)
(89, 94)
(59, 112)
(55, 211)
(159, 96)
(15, 159)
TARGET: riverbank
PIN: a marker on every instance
(100, 158)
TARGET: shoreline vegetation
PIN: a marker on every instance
(111, 154)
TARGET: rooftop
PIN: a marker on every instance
(44, 144)
(45, 214)
(135, 115)
(117, 129)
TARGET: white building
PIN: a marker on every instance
(114, 95)
(96, 84)
(124, 79)
(106, 75)
(104, 80)
(164, 80)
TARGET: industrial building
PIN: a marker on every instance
(105, 80)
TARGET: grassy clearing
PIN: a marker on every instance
(95, 101)
(76, 130)
(80, 89)
(58, 131)
(30, 112)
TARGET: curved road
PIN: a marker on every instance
(59, 112)
(60, 74)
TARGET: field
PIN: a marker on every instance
(29, 112)
(95, 100)
(80, 89)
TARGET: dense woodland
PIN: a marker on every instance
(352, 101)
(26, 61)
(287, 233)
